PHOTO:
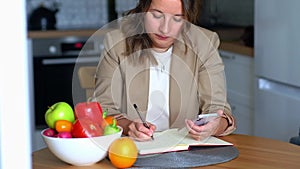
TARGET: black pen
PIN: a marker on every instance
(144, 122)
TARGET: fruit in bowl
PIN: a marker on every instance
(80, 151)
(59, 111)
(81, 137)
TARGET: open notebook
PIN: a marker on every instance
(175, 140)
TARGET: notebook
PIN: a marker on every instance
(175, 140)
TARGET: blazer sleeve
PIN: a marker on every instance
(212, 83)
(109, 90)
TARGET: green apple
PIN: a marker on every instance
(111, 128)
(59, 111)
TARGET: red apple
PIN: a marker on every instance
(49, 132)
(64, 134)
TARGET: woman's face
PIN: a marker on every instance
(163, 22)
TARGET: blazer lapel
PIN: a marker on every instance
(137, 82)
(175, 95)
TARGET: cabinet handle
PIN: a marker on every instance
(231, 57)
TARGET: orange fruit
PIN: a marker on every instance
(109, 119)
(63, 126)
(123, 152)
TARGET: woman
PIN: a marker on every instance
(168, 67)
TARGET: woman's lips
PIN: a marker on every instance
(160, 37)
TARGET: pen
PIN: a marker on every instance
(144, 122)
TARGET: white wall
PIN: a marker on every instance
(15, 137)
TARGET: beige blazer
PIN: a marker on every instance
(197, 79)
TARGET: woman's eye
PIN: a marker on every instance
(157, 15)
(177, 18)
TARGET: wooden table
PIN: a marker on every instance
(255, 153)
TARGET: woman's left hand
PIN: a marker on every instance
(213, 128)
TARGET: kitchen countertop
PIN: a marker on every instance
(232, 40)
(237, 47)
(62, 33)
(228, 44)
(254, 152)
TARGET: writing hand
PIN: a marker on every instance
(140, 132)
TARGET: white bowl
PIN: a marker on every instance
(80, 151)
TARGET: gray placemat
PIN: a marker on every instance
(196, 157)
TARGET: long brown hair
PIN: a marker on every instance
(133, 26)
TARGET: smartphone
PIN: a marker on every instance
(205, 118)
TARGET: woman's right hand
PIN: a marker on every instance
(139, 132)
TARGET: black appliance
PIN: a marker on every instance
(55, 65)
(42, 18)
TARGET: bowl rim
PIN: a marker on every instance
(77, 138)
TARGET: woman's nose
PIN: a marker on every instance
(165, 26)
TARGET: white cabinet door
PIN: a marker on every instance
(277, 110)
(239, 71)
(244, 117)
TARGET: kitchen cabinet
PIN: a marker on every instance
(239, 71)
(230, 12)
(37, 141)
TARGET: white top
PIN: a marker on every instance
(158, 101)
